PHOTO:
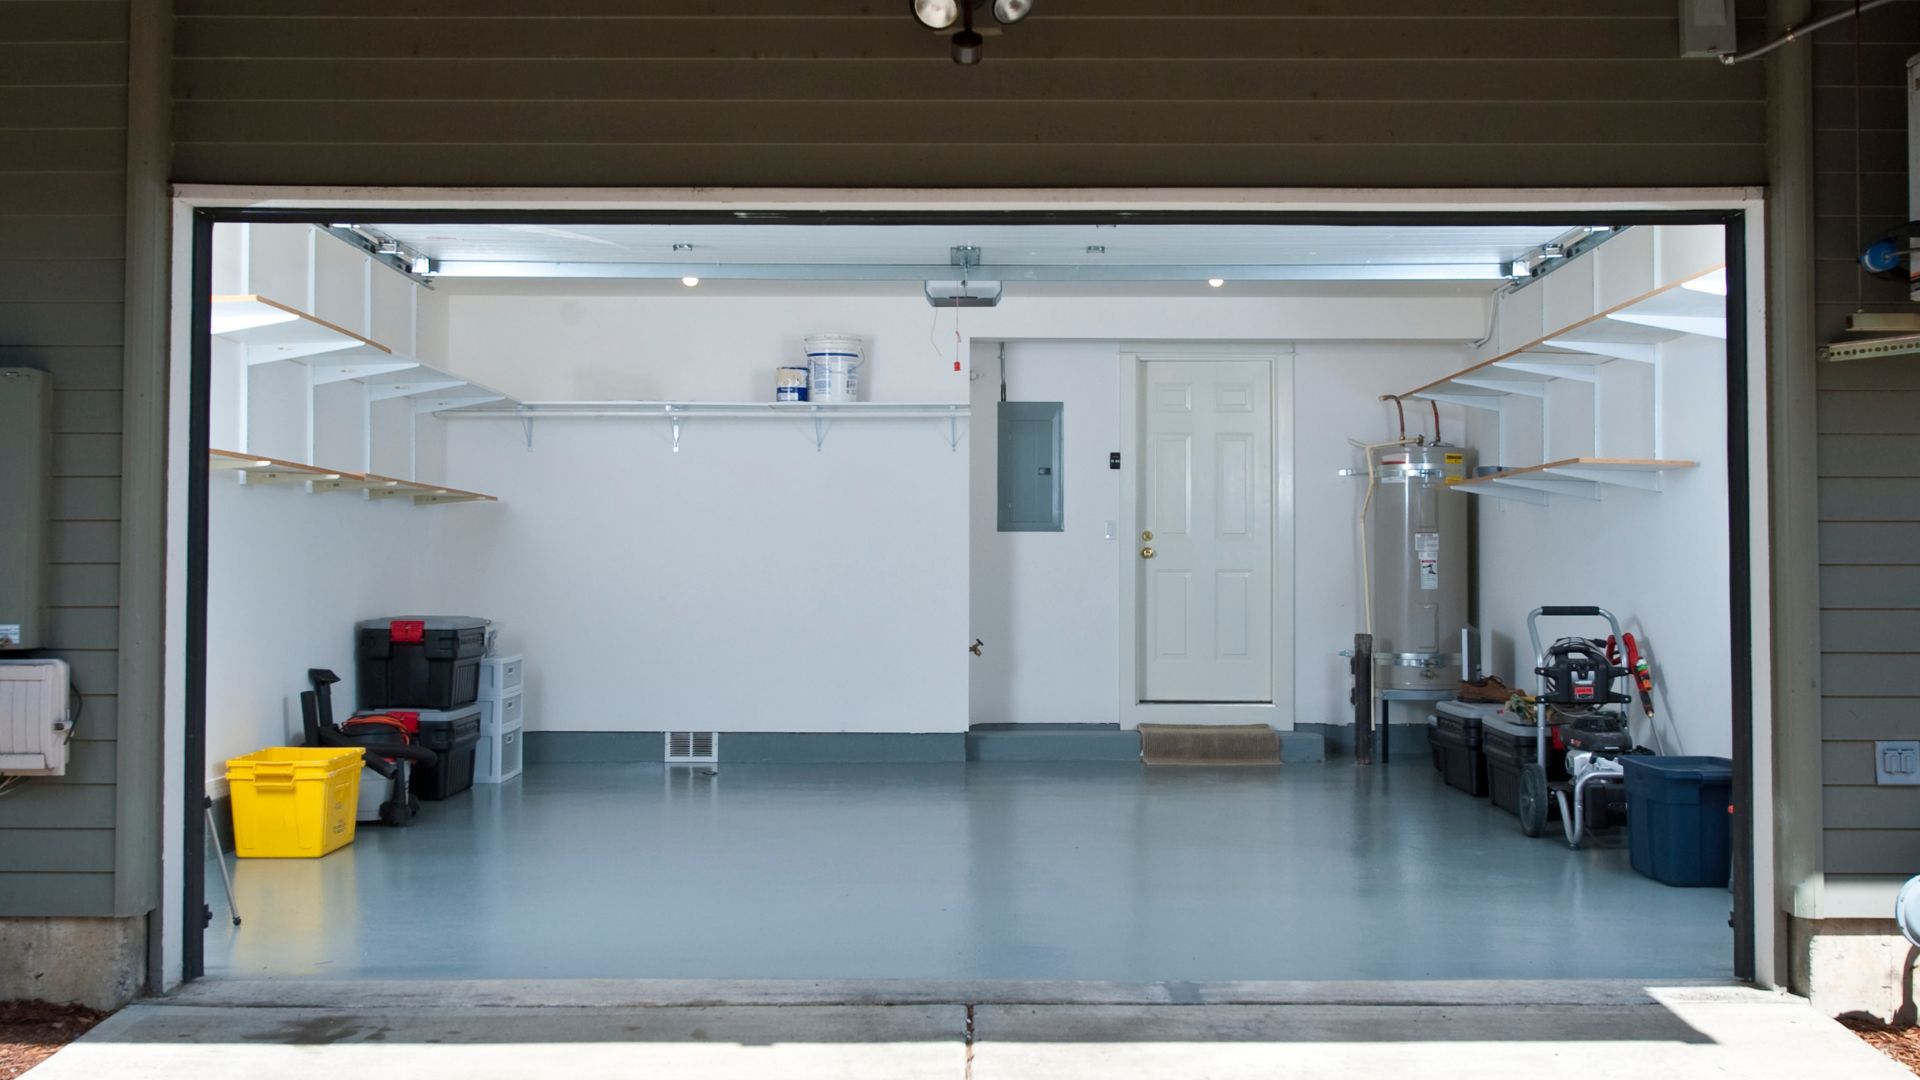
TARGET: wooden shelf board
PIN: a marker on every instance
(1577, 476)
(1625, 465)
(256, 464)
(265, 470)
(276, 331)
(1610, 329)
(422, 494)
(262, 323)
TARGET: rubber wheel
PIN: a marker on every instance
(1532, 801)
(391, 815)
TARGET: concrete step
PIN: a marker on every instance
(1052, 742)
(1099, 742)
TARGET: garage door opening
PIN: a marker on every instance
(822, 570)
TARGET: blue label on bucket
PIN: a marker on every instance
(790, 393)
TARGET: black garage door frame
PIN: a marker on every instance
(1739, 472)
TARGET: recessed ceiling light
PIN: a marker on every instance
(689, 281)
(1216, 282)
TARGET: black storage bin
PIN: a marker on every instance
(1458, 741)
(453, 735)
(420, 661)
(1508, 746)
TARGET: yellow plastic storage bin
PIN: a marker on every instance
(294, 802)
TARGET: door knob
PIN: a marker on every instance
(1146, 553)
(1147, 535)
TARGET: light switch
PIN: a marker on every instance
(1896, 763)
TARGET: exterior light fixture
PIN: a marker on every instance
(689, 281)
(1216, 282)
(942, 15)
(936, 14)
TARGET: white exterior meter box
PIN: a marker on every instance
(34, 725)
(502, 717)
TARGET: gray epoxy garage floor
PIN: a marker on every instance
(983, 871)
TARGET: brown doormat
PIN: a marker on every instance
(1209, 744)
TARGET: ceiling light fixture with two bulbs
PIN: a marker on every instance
(941, 15)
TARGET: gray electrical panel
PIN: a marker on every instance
(1030, 460)
(26, 470)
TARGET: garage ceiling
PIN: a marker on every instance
(1008, 252)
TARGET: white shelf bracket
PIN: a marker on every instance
(820, 426)
(1513, 494)
(526, 430)
(1638, 352)
(1645, 481)
(1574, 372)
(1524, 387)
(1488, 402)
(1580, 489)
(953, 429)
(673, 417)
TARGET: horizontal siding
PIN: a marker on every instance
(1887, 36)
(55, 894)
(1869, 449)
(62, 203)
(1872, 851)
(1085, 93)
(1869, 453)
(55, 850)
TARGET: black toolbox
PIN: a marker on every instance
(453, 734)
(1509, 745)
(420, 661)
(1456, 739)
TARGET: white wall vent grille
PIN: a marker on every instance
(693, 747)
(33, 718)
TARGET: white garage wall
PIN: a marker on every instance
(289, 576)
(1337, 388)
(770, 587)
(540, 344)
(1047, 603)
(1657, 560)
(747, 583)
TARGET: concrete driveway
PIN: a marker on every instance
(584, 1030)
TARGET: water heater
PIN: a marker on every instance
(1417, 565)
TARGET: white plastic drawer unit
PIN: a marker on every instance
(502, 714)
(500, 676)
(34, 726)
(497, 758)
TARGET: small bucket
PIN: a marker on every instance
(833, 367)
(790, 384)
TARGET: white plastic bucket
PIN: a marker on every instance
(833, 367)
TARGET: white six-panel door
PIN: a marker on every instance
(1205, 550)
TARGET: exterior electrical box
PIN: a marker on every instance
(1030, 459)
(34, 724)
(26, 484)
